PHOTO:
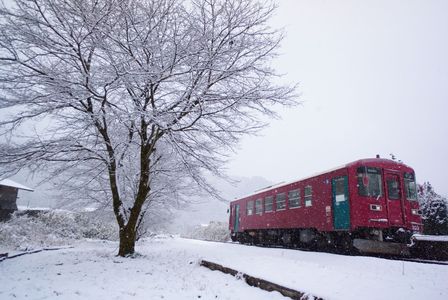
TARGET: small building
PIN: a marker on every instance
(9, 190)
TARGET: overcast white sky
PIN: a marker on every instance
(374, 80)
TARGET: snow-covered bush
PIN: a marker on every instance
(54, 228)
(434, 209)
(214, 231)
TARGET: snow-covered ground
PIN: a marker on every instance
(167, 268)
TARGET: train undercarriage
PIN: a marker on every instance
(394, 241)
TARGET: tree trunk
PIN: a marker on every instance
(127, 241)
(128, 232)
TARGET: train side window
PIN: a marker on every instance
(308, 195)
(410, 186)
(369, 182)
(280, 201)
(268, 204)
(258, 206)
(250, 208)
(294, 198)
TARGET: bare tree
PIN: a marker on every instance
(138, 97)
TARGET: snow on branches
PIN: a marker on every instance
(139, 98)
(434, 209)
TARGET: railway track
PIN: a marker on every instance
(390, 257)
(421, 261)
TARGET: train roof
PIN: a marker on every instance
(365, 161)
(13, 184)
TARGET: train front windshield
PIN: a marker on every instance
(410, 186)
(369, 181)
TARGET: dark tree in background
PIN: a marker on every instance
(133, 101)
(434, 209)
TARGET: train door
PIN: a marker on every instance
(341, 207)
(236, 218)
(394, 199)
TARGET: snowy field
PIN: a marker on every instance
(167, 268)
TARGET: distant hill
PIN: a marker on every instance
(211, 209)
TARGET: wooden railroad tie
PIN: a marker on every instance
(260, 283)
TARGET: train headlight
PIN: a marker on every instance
(416, 212)
(375, 207)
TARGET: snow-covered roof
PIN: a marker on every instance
(432, 238)
(11, 183)
(283, 183)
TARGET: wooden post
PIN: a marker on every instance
(260, 283)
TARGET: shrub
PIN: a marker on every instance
(49, 228)
(214, 231)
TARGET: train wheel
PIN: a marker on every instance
(345, 243)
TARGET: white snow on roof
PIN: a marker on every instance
(284, 183)
(23, 207)
(11, 183)
(432, 238)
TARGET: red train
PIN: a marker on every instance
(369, 204)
